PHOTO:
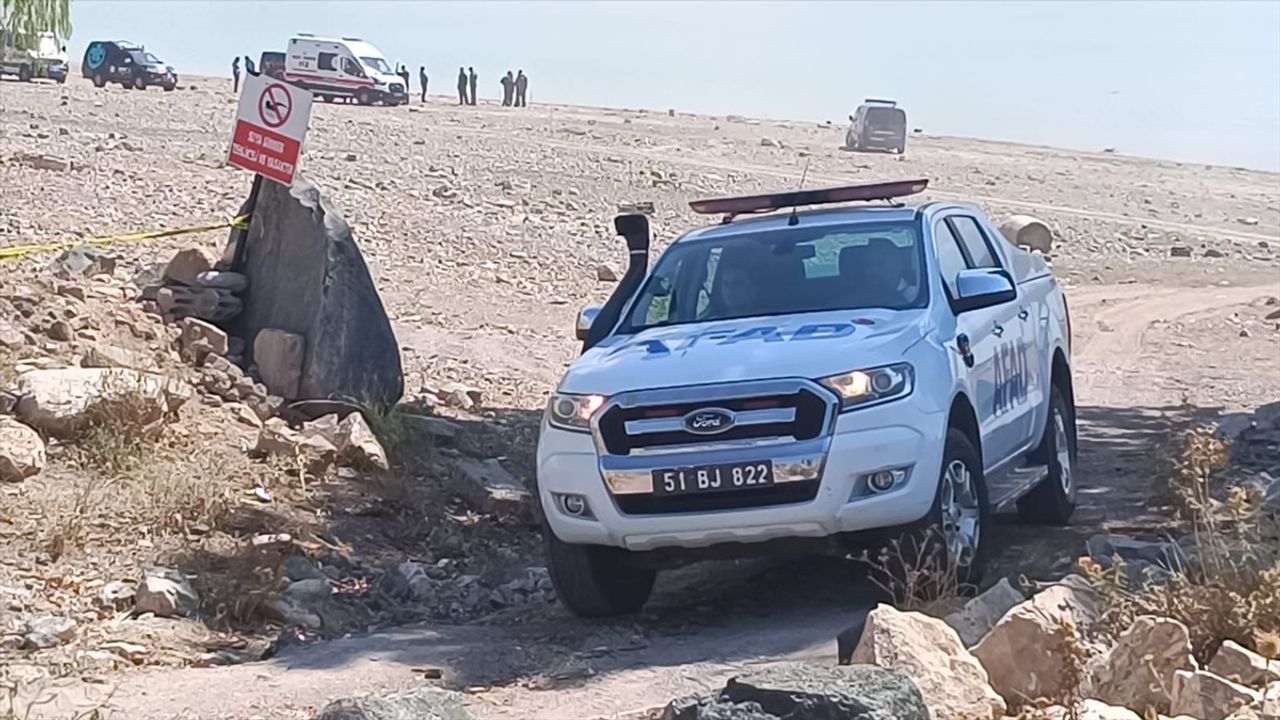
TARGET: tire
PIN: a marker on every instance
(364, 98)
(62, 80)
(170, 88)
(1054, 500)
(24, 73)
(140, 83)
(931, 544)
(99, 81)
(594, 581)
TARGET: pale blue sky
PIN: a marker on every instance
(1188, 81)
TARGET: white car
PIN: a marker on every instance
(335, 68)
(828, 378)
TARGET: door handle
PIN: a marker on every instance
(997, 329)
(1023, 314)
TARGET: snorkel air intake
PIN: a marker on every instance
(634, 228)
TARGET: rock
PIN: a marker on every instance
(1144, 560)
(1179, 251)
(605, 273)
(1204, 695)
(279, 356)
(52, 163)
(1089, 709)
(1242, 665)
(1214, 253)
(199, 338)
(276, 438)
(300, 567)
(422, 703)
(10, 336)
(308, 590)
(357, 445)
(420, 585)
(186, 266)
(953, 683)
(57, 401)
(134, 653)
(117, 595)
(980, 614)
(166, 593)
(1028, 232)
(461, 396)
(223, 280)
(306, 276)
(60, 330)
(291, 613)
(438, 428)
(1024, 654)
(39, 641)
(22, 453)
(244, 415)
(1251, 221)
(803, 691)
(489, 487)
(222, 365)
(1137, 671)
(62, 628)
(770, 142)
(98, 355)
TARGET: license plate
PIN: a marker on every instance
(713, 478)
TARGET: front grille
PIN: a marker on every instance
(809, 408)
(781, 494)
(396, 88)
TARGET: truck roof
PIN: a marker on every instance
(781, 220)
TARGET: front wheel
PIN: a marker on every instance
(24, 73)
(1053, 501)
(595, 581)
(364, 98)
(140, 83)
(99, 81)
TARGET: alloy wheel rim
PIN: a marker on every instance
(961, 515)
(1062, 446)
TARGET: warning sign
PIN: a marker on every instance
(271, 123)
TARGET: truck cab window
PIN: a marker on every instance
(974, 242)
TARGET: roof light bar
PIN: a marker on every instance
(817, 196)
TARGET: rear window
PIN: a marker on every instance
(781, 272)
(886, 117)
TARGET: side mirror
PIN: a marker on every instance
(850, 118)
(983, 288)
(585, 319)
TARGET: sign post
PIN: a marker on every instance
(271, 122)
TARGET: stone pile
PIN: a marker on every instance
(193, 287)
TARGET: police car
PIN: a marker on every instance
(819, 379)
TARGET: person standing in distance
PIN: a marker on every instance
(462, 86)
(235, 74)
(422, 80)
(248, 66)
(508, 84)
(522, 88)
(471, 81)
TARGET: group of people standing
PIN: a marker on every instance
(515, 88)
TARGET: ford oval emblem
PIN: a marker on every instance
(708, 421)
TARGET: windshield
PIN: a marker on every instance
(145, 58)
(376, 64)
(780, 272)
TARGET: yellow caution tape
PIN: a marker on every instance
(240, 221)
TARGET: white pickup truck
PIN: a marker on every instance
(826, 378)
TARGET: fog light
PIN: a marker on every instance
(574, 504)
(881, 481)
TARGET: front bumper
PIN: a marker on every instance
(897, 435)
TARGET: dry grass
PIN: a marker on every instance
(918, 576)
(13, 707)
(1231, 589)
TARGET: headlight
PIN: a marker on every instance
(864, 387)
(573, 412)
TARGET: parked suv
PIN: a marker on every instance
(877, 125)
(126, 63)
(820, 379)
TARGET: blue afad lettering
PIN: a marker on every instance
(1010, 377)
(763, 333)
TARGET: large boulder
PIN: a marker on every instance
(1203, 695)
(953, 682)
(306, 276)
(979, 615)
(1138, 671)
(798, 690)
(21, 451)
(59, 401)
(1025, 654)
(424, 703)
(1242, 665)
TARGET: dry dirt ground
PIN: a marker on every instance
(483, 228)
